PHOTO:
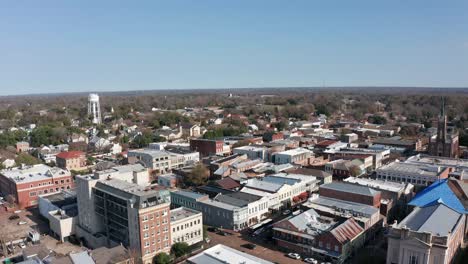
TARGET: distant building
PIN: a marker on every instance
(22, 146)
(71, 160)
(190, 130)
(416, 174)
(272, 136)
(27, 183)
(207, 147)
(445, 143)
(298, 156)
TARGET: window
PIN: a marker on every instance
(337, 249)
(32, 194)
(413, 260)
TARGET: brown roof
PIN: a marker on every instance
(325, 143)
(347, 231)
(227, 183)
(70, 154)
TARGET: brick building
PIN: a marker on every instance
(22, 146)
(318, 236)
(350, 192)
(25, 184)
(272, 136)
(207, 147)
(71, 160)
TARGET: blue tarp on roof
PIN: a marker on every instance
(438, 192)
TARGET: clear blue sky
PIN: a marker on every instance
(70, 46)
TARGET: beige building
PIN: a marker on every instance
(430, 234)
(186, 226)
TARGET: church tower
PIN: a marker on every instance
(445, 143)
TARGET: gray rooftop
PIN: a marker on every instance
(264, 185)
(350, 188)
(437, 219)
(189, 194)
(221, 254)
(182, 213)
(133, 193)
(33, 173)
(239, 199)
(345, 206)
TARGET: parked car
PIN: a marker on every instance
(14, 217)
(250, 246)
(21, 245)
(212, 229)
(207, 240)
(286, 212)
(311, 260)
(224, 233)
(294, 255)
(22, 222)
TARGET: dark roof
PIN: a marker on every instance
(227, 183)
(239, 199)
(350, 188)
(310, 172)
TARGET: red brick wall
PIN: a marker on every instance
(206, 147)
(28, 193)
(154, 217)
(352, 197)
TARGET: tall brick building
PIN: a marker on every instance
(25, 184)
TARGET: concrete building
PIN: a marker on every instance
(378, 155)
(458, 167)
(416, 174)
(71, 160)
(132, 173)
(27, 183)
(61, 210)
(186, 226)
(155, 160)
(431, 234)
(252, 152)
(221, 254)
(298, 156)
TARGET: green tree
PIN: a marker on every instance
(198, 176)
(25, 158)
(180, 249)
(162, 258)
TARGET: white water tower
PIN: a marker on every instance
(94, 109)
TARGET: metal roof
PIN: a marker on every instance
(437, 219)
(439, 192)
(350, 188)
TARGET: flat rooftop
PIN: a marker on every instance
(296, 151)
(378, 184)
(403, 168)
(189, 194)
(221, 254)
(350, 188)
(335, 205)
(182, 213)
(33, 173)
